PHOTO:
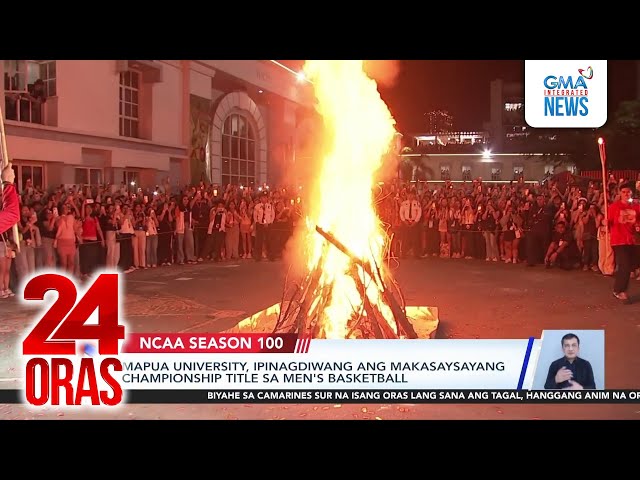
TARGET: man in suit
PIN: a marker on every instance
(570, 372)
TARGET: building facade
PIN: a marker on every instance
(459, 167)
(506, 125)
(89, 122)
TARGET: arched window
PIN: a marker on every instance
(238, 150)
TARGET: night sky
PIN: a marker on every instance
(462, 88)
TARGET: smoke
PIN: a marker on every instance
(384, 72)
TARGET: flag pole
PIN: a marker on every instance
(603, 161)
(5, 162)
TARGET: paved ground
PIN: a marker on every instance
(476, 300)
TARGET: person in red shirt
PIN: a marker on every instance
(624, 214)
(9, 216)
(10, 213)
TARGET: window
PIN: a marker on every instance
(35, 173)
(466, 173)
(88, 176)
(512, 107)
(518, 172)
(496, 174)
(238, 150)
(27, 84)
(549, 169)
(445, 172)
(572, 169)
(131, 179)
(48, 76)
(129, 104)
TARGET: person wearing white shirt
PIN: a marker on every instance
(410, 214)
(263, 216)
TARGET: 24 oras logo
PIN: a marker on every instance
(61, 371)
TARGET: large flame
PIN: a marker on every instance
(360, 131)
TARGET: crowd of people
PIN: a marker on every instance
(80, 229)
(560, 226)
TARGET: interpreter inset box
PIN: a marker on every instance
(570, 360)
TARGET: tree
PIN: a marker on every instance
(621, 136)
(564, 147)
(627, 118)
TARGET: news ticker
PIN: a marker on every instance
(366, 396)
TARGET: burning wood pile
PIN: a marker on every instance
(348, 290)
(306, 311)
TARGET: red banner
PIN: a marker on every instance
(215, 343)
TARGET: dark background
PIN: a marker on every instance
(462, 88)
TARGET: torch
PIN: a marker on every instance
(3, 164)
(603, 161)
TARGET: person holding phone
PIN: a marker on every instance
(624, 215)
(47, 228)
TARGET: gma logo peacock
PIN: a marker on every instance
(567, 96)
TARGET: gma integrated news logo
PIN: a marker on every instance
(71, 353)
(565, 93)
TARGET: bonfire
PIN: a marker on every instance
(348, 290)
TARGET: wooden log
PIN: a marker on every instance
(398, 313)
(299, 326)
(381, 328)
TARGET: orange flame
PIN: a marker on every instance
(360, 130)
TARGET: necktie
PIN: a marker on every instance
(262, 215)
(410, 210)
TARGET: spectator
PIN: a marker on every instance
(66, 240)
(216, 232)
(488, 225)
(165, 232)
(245, 229)
(47, 227)
(443, 228)
(92, 240)
(139, 239)
(126, 232)
(455, 225)
(232, 231)
(151, 237)
(538, 223)
(589, 219)
(263, 216)
(410, 213)
(109, 227)
(559, 248)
